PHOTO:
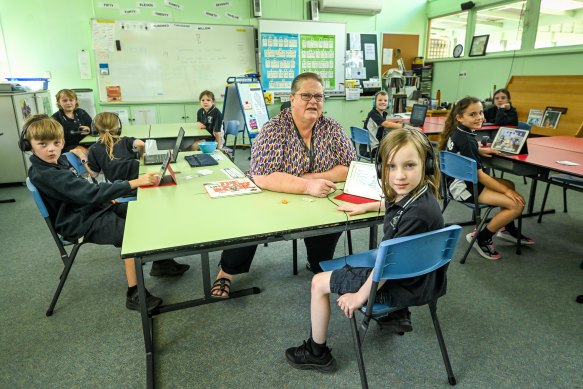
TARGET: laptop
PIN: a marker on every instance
(511, 141)
(418, 114)
(155, 159)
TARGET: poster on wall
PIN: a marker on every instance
(280, 60)
(317, 54)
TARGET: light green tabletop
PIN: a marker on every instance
(170, 130)
(195, 177)
(140, 131)
(182, 217)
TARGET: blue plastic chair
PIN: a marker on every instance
(359, 137)
(395, 259)
(466, 169)
(232, 128)
(566, 181)
(67, 259)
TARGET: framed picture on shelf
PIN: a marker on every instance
(551, 119)
(479, 44)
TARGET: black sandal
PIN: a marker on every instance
(222, 285)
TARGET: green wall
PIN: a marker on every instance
(45, 37)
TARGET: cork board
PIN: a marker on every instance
(408, 44)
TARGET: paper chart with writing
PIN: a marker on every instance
(317, 54)
(362, 181)
(280, 53)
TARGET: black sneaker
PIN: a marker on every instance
(133, 301)
(168, 268)
(302, 358)
(397, 321)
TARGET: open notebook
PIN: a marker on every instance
(362, 184)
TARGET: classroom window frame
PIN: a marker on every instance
(440, 40)
(503, 23)
(553, 25)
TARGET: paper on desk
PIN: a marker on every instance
(204, 172)
(568, 163)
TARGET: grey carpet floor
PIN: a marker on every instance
(512, 323)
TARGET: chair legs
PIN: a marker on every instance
(433, 310)
(63, 277)
(358, 348)
(478, 229)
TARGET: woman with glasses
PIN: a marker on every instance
(298, 151)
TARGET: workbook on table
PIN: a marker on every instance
(241, 186)
(362, 184)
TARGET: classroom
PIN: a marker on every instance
(508, 323)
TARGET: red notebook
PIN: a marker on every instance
(354, 199)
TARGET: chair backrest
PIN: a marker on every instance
(76, 163)
(359, 135)
(415, 255)
(524, 126)
(458, 166)
(37, 199)
(232, 128)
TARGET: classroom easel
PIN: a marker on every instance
(244, 102)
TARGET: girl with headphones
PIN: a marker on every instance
(410, 177)
(113, 155)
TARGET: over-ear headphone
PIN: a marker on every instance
(429, 159)
(95, 132)
(374, 98)
(23, 142)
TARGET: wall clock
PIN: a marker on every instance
(457, 51)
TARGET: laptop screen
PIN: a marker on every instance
(418, 115)
(176, 149)
(510, 140)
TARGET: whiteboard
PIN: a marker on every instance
(306, 28)
(154, 62)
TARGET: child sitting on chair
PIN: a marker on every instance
(377, 122)
(78, 208)
(410, 179)
(209, 118)
(113, 155)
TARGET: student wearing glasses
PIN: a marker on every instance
(298, 151)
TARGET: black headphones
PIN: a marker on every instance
(23, 142)
(429, 159)
(95, 132)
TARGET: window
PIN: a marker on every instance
(503, 24)
(445, 33)
(560, 23)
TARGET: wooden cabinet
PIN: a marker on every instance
(133, 114)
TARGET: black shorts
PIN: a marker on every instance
(350, 279)
(480, 189)
(108, 227)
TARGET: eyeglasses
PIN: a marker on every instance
(308, 96)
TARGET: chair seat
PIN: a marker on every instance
(364, 259)
(472, 205)
(567, 179)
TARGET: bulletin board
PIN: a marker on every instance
(368, 45)
(140, 61)
(304, 34)
(407, 44)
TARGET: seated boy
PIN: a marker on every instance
(79, 208)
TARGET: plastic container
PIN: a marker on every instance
(207, 147)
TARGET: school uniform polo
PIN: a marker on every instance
(501, 116)
(414, 214)
(212, 119)
(463, 141)
(373, 123)
(124, 166)
(71, 126)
